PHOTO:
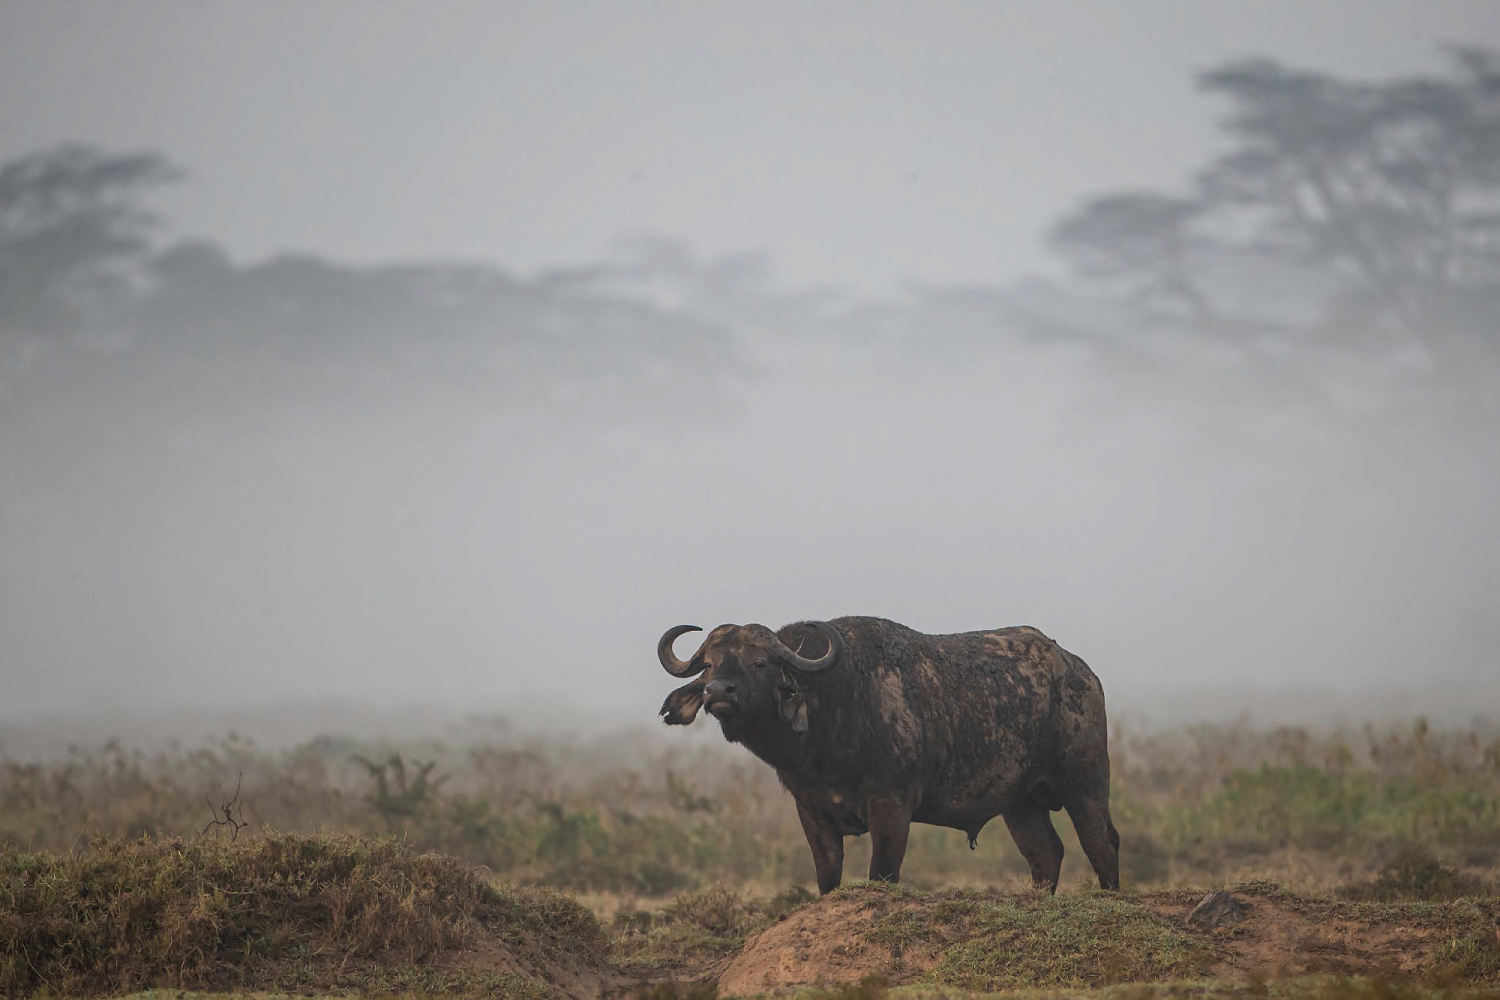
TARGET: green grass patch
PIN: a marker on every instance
(1272, 805)
(1471, 952)
(1064, 941)
(987, 942)
(901, 929)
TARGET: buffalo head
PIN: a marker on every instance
(747, 675)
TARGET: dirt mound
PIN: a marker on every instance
(969, 940)
(983, 942)
(840, 939)
(306, 914)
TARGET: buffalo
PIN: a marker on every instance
(872, 726)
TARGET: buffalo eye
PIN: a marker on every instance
(759, 664)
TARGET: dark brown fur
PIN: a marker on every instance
(951, 730)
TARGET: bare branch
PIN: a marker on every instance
(224, 814)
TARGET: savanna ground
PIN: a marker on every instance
(1367, 861)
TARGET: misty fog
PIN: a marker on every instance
(262, 473)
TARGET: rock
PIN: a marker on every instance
(1218, 909)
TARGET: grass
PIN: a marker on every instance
(1196, 805)
(319, 915)
(1303, 988)
(1066, 941)
(304, 913)
(1306, 988)
(106, 885)
(1471, 953)
(986, 942)
(1415, 874)
(696, 928)
(965, 942)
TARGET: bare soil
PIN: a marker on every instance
(830, 941)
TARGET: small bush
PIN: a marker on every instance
(1414, 874)
(718, 911)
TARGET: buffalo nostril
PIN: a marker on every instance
(729, 689)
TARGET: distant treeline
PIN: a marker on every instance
(1343, 217)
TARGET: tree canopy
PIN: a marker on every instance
(71, 224)
(1389, 191)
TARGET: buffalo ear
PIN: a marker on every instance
(791, 702)
(681, 706)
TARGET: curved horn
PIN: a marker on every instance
(668, 659)
(828, 659)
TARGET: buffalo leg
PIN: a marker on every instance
(827, 845)
(1031, 828)
(890, 822)
(1096, 832)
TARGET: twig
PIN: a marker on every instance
(82, 828)
(227, 808)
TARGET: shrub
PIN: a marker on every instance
(1414, 874)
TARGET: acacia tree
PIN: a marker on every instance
(71, 223)
(1390, 190)
(1146, 245)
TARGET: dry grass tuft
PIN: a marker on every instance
(697, 927)
(1415, 874)
(293, 912)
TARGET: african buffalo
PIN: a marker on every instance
(872, 726)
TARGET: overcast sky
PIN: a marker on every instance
(860, 143)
